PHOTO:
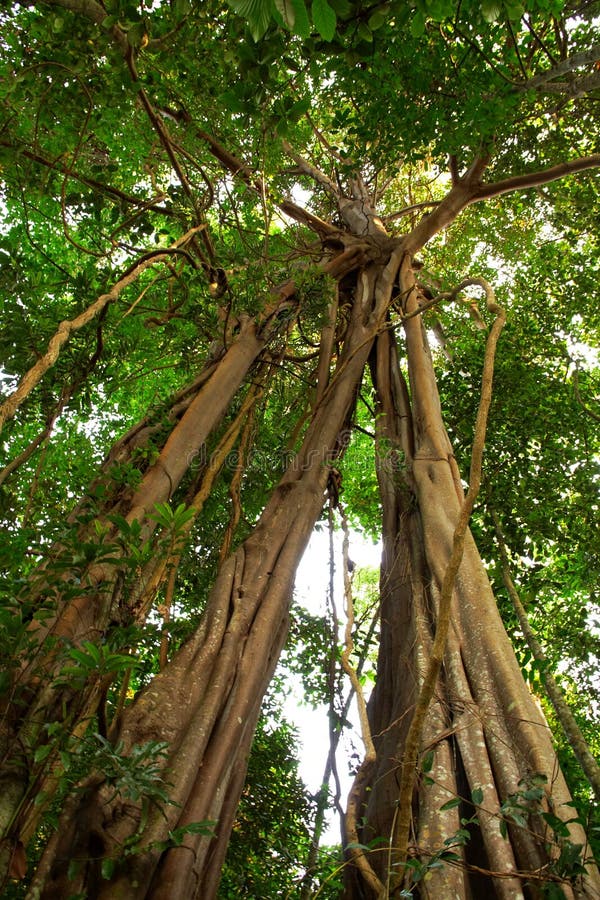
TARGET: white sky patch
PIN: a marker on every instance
(312, 583)
(301, 196)
(579, 350)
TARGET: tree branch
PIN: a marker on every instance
(534, 179)
(32, 377)
(464, 192)
(241, 170)
(308, 169)
(408, 209)
(576, 61)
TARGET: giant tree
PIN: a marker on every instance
(216, 231)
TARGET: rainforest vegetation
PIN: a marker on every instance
(268, 266)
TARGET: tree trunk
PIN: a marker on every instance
(206, 701)
(485, 733)
(84, 602)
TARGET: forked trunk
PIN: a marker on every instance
(206, 701)
(75, 602)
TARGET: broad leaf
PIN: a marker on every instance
(258, 14)
(324, 19)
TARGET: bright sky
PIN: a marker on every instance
(312, 582)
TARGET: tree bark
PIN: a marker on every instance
(206, 701)
(104, 600)
(485, 732)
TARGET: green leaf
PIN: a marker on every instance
(286, 10)
(377, 19)
(258, 14)
(74, 868)
(477, 796)
(107, 868)
(491, 9)
(181, 8)
(42, 753)
(427, 763)
(324, 19)
(342, 8)
(514, 10)
(417, 25)
(301, 20)
(456, 801)
(439, 10)
(365, 33)
(233, 101)
(298, 109)
(517, 818)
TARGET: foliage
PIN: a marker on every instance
(114, 135)
(270, 836)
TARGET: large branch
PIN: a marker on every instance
(35, 374)
(534, 179)
(572, 89)
(576, 61)
(308, 169)
(469, 189)
(463, 192)
(242, 171)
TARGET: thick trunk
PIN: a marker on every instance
(84, 604)
(405, 639)
(485, 733)
(206, 701)
(104, 599)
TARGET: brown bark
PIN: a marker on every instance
(205, 702)
(484, 731)
(400, 835)
(405, 641)
(103, 601)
